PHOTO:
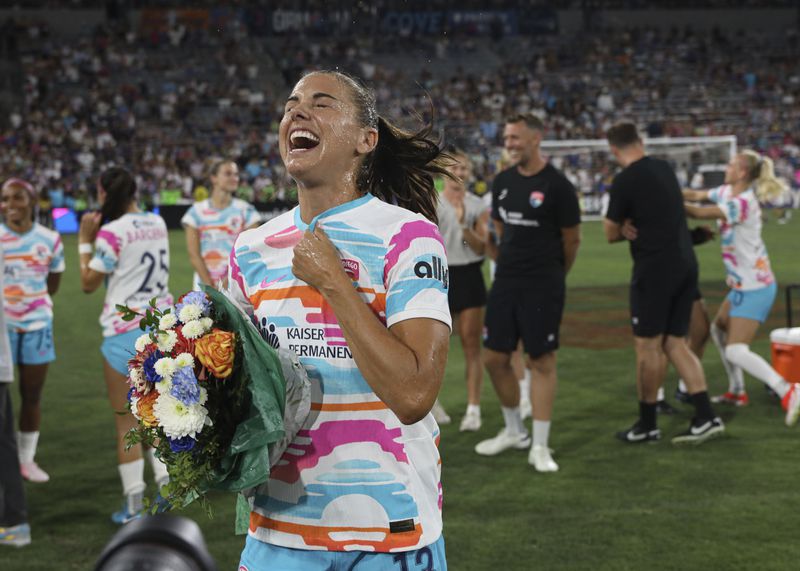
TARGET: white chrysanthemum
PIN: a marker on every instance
(164, 385)
(165, 367)
(207, 322)
(190, 312)
(184, 360)
(166, 341)
(167, 321)
(142, 341)
(177, 419)
(135, 408)
(193, 329)
(203, 397)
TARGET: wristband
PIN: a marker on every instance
(85, 248)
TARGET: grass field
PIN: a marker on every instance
(730, 504)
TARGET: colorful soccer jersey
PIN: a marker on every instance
(29, 259)
(134, 251)
(743, 251)
(218, 230)
(355, 478)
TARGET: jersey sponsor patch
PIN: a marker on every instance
(536, 198)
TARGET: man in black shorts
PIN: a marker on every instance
(646, 195)
(537, 222)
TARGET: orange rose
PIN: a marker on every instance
(144, 408)
(215, 350)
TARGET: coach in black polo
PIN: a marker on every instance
(537, 221)
(646, 207)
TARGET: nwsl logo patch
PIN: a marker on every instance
(536, 198)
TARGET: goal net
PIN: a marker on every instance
(699, 162)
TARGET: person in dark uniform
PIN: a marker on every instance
(537, 222)
(646, 195)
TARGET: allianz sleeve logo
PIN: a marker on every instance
(435, 269)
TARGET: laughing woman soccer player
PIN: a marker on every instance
(131, 252)
(212, 225)
(34, 260)
(749, 178)
(354, 280)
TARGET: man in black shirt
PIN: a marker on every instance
(537, 222)
(646, 207)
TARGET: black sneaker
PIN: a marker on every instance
(683, 396)
(663, 407)
(636, 434)
(699, 431)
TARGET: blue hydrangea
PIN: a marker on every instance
(149, 367)
(185, 387)
(197, 298)
(182, 444)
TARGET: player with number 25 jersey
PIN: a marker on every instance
(134, 251)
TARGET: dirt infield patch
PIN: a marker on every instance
(598, 318)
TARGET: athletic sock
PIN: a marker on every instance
(525, 386)
(513, 420)
(474, 409)
(740, 355)
(27, 443)
(541, 432)
(647, 415)
(702, 406)
(132, 476)
(735, 376)
(682, 386)
(660, 396)
(160, 474)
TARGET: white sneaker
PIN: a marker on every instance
(539, 457)
(792, 405)
(502, 442)
(471, 422)
(31, 472)
(525, 408)
(440, 414)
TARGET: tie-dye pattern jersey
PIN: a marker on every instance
(218, 230)
(743, 251)
(355, 478)
(134, 251)
(29, 259)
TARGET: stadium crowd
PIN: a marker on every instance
(166, 101)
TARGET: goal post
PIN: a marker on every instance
(588, 163)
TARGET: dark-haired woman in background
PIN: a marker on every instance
(354, 280)
(213, 224)
(34, 261)
(130, 249)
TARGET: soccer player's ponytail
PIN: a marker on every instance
(761, 171)
(401, 168)
(120, 189)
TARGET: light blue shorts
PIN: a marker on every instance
(259, 556)
(32, 347)
(753, 303)
(119, 349)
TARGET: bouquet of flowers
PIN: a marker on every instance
(209, 394)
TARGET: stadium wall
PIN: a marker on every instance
(68, 23)
(752, 19)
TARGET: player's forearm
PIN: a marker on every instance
(476, 242)
(200, 267)
(570, 254)
(406, 383)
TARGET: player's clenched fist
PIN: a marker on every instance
(316, 260)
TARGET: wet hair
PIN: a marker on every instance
(120, 189)
(761, 172)
(33, 196)
(531, 121)
(213, 168)
(401, 168)
(622, 135)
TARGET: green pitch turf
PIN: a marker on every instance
(729, 504)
